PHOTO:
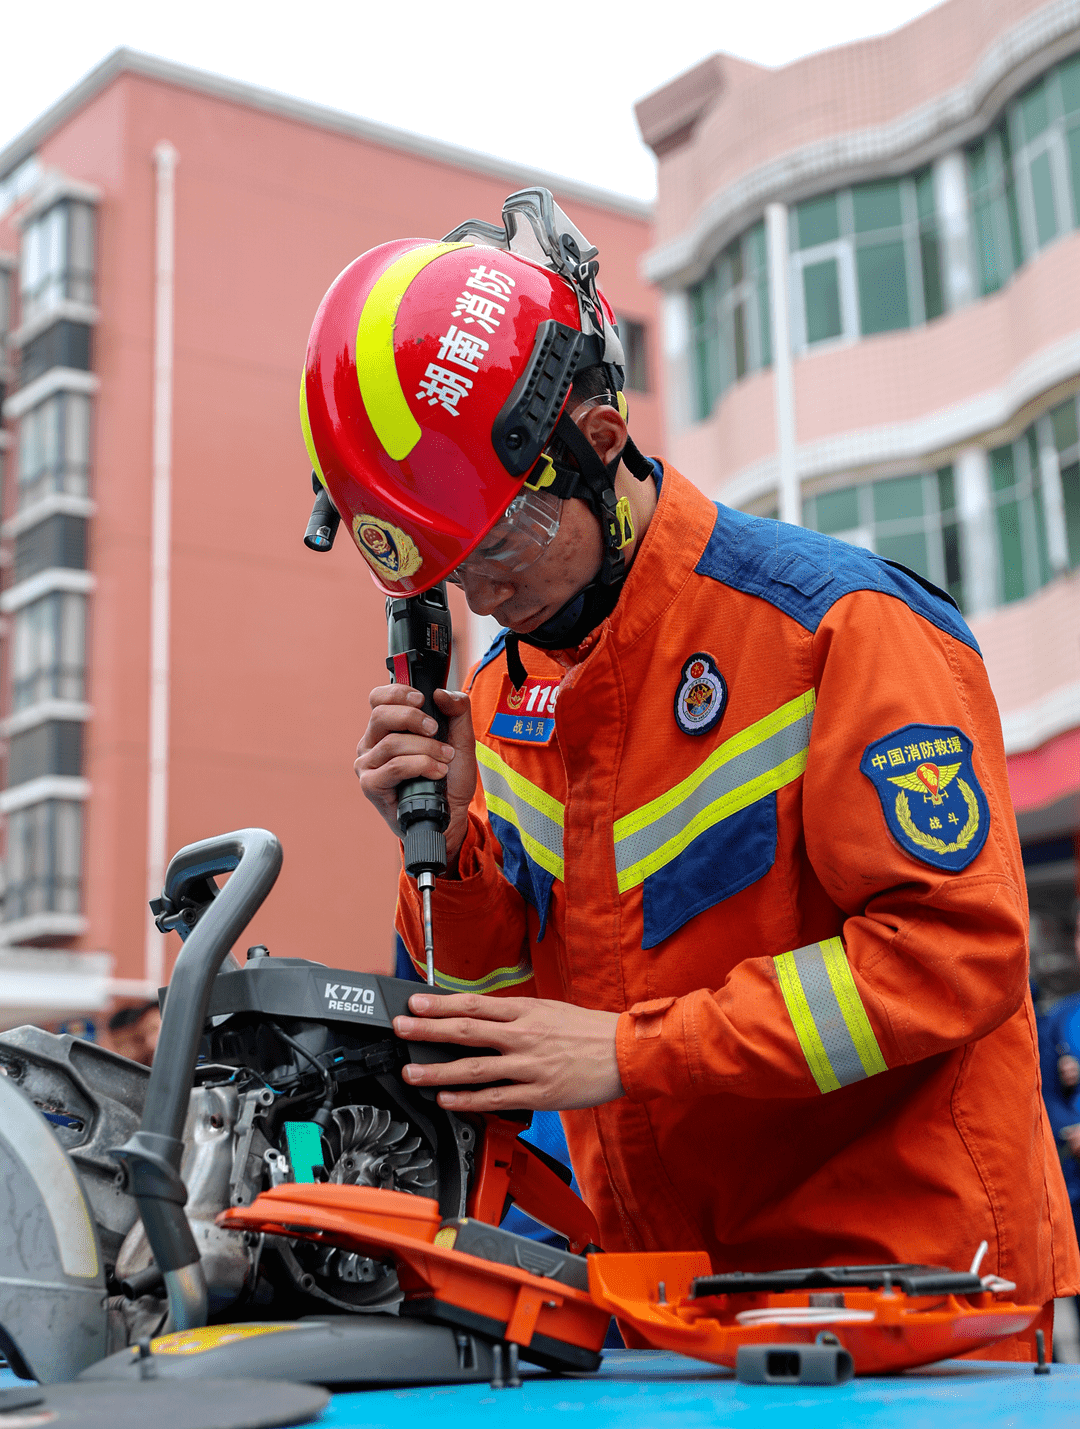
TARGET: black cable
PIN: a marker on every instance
(322, 1116)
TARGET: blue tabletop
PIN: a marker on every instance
(648, 1388)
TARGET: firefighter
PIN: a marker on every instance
(734, 878)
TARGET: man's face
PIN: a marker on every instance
(523, 600)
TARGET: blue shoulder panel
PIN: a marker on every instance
(495, 649)
(804, 573)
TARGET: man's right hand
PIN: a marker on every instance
(398, 744)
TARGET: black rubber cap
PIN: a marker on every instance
(425, 849)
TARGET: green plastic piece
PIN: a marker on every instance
(305, 1150)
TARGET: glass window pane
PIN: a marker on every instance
(1070, 486)
(946, 489)
(1042, 193)
(1069, 79)
(838, 510)
(764, 320)
(978, 168)
(883, 295)
(993, 270)
(1072, 143)
(1034, 110)
(740, 341)
(909, 550)
(821, 289)
(898, 499)
(1002, 471)
(1010, 548)
(929, 252)
(1063, 421)
(755, 243)
(877, 205)
(924, 193)
(818, 221)
(954, 581)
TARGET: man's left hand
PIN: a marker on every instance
(558, 1056)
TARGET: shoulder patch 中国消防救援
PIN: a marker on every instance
(701, 697)
(933, 804)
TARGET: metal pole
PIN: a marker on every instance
(165, 161)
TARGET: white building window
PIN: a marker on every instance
(730, 315)
(1024, 176)
(58, 258)
(48, 650)
(54, 448)
(865, 260)
(44, 859)
(1044, 125)
(1066, 429)
(1019, 518)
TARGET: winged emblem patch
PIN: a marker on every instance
(933, 804)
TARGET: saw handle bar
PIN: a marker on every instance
(150, 1159)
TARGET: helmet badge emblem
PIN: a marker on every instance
(390, 552)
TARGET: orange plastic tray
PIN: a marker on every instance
(882, 1331)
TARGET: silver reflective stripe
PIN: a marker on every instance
(828, 1015)
(537, 817)
(828, 1019)
(756, 762)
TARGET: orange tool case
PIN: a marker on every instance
(508, 1288)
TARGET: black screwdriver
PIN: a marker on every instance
(419, 639)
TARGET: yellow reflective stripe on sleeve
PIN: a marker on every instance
(537, 817)
(491, 982)
(850, 1004)
(376, 370)
(827, 1014)
(757, 761)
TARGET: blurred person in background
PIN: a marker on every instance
(132, 1031)
(1059, 1052)
(1060, 1048)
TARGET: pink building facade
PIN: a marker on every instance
(173, 662)
(870, 266)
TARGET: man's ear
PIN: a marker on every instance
(605, 430)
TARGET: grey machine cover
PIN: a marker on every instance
(52, 1280)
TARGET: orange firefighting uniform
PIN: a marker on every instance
(827, 1044)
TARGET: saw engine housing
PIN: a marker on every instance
(287, 1040)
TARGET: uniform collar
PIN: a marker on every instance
(675, 541)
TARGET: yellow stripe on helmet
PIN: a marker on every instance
(380, 386)
(305, 427)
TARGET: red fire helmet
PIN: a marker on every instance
(434, 377)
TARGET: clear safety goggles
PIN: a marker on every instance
(531, 521)
(521, 537)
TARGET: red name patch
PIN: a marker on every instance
(527, 716)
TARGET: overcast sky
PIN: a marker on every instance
(518, 81)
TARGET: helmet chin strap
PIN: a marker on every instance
(594, 483)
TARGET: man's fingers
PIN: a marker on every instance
(394, 695)
(405, 746)
(465, 1070)
(468, 1031)
(470, 1004)
(513, 1098)
(388, 720)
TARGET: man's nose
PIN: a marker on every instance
(484, 595)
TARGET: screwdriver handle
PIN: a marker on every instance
(419, 644)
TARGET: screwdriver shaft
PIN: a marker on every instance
(426, 882)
